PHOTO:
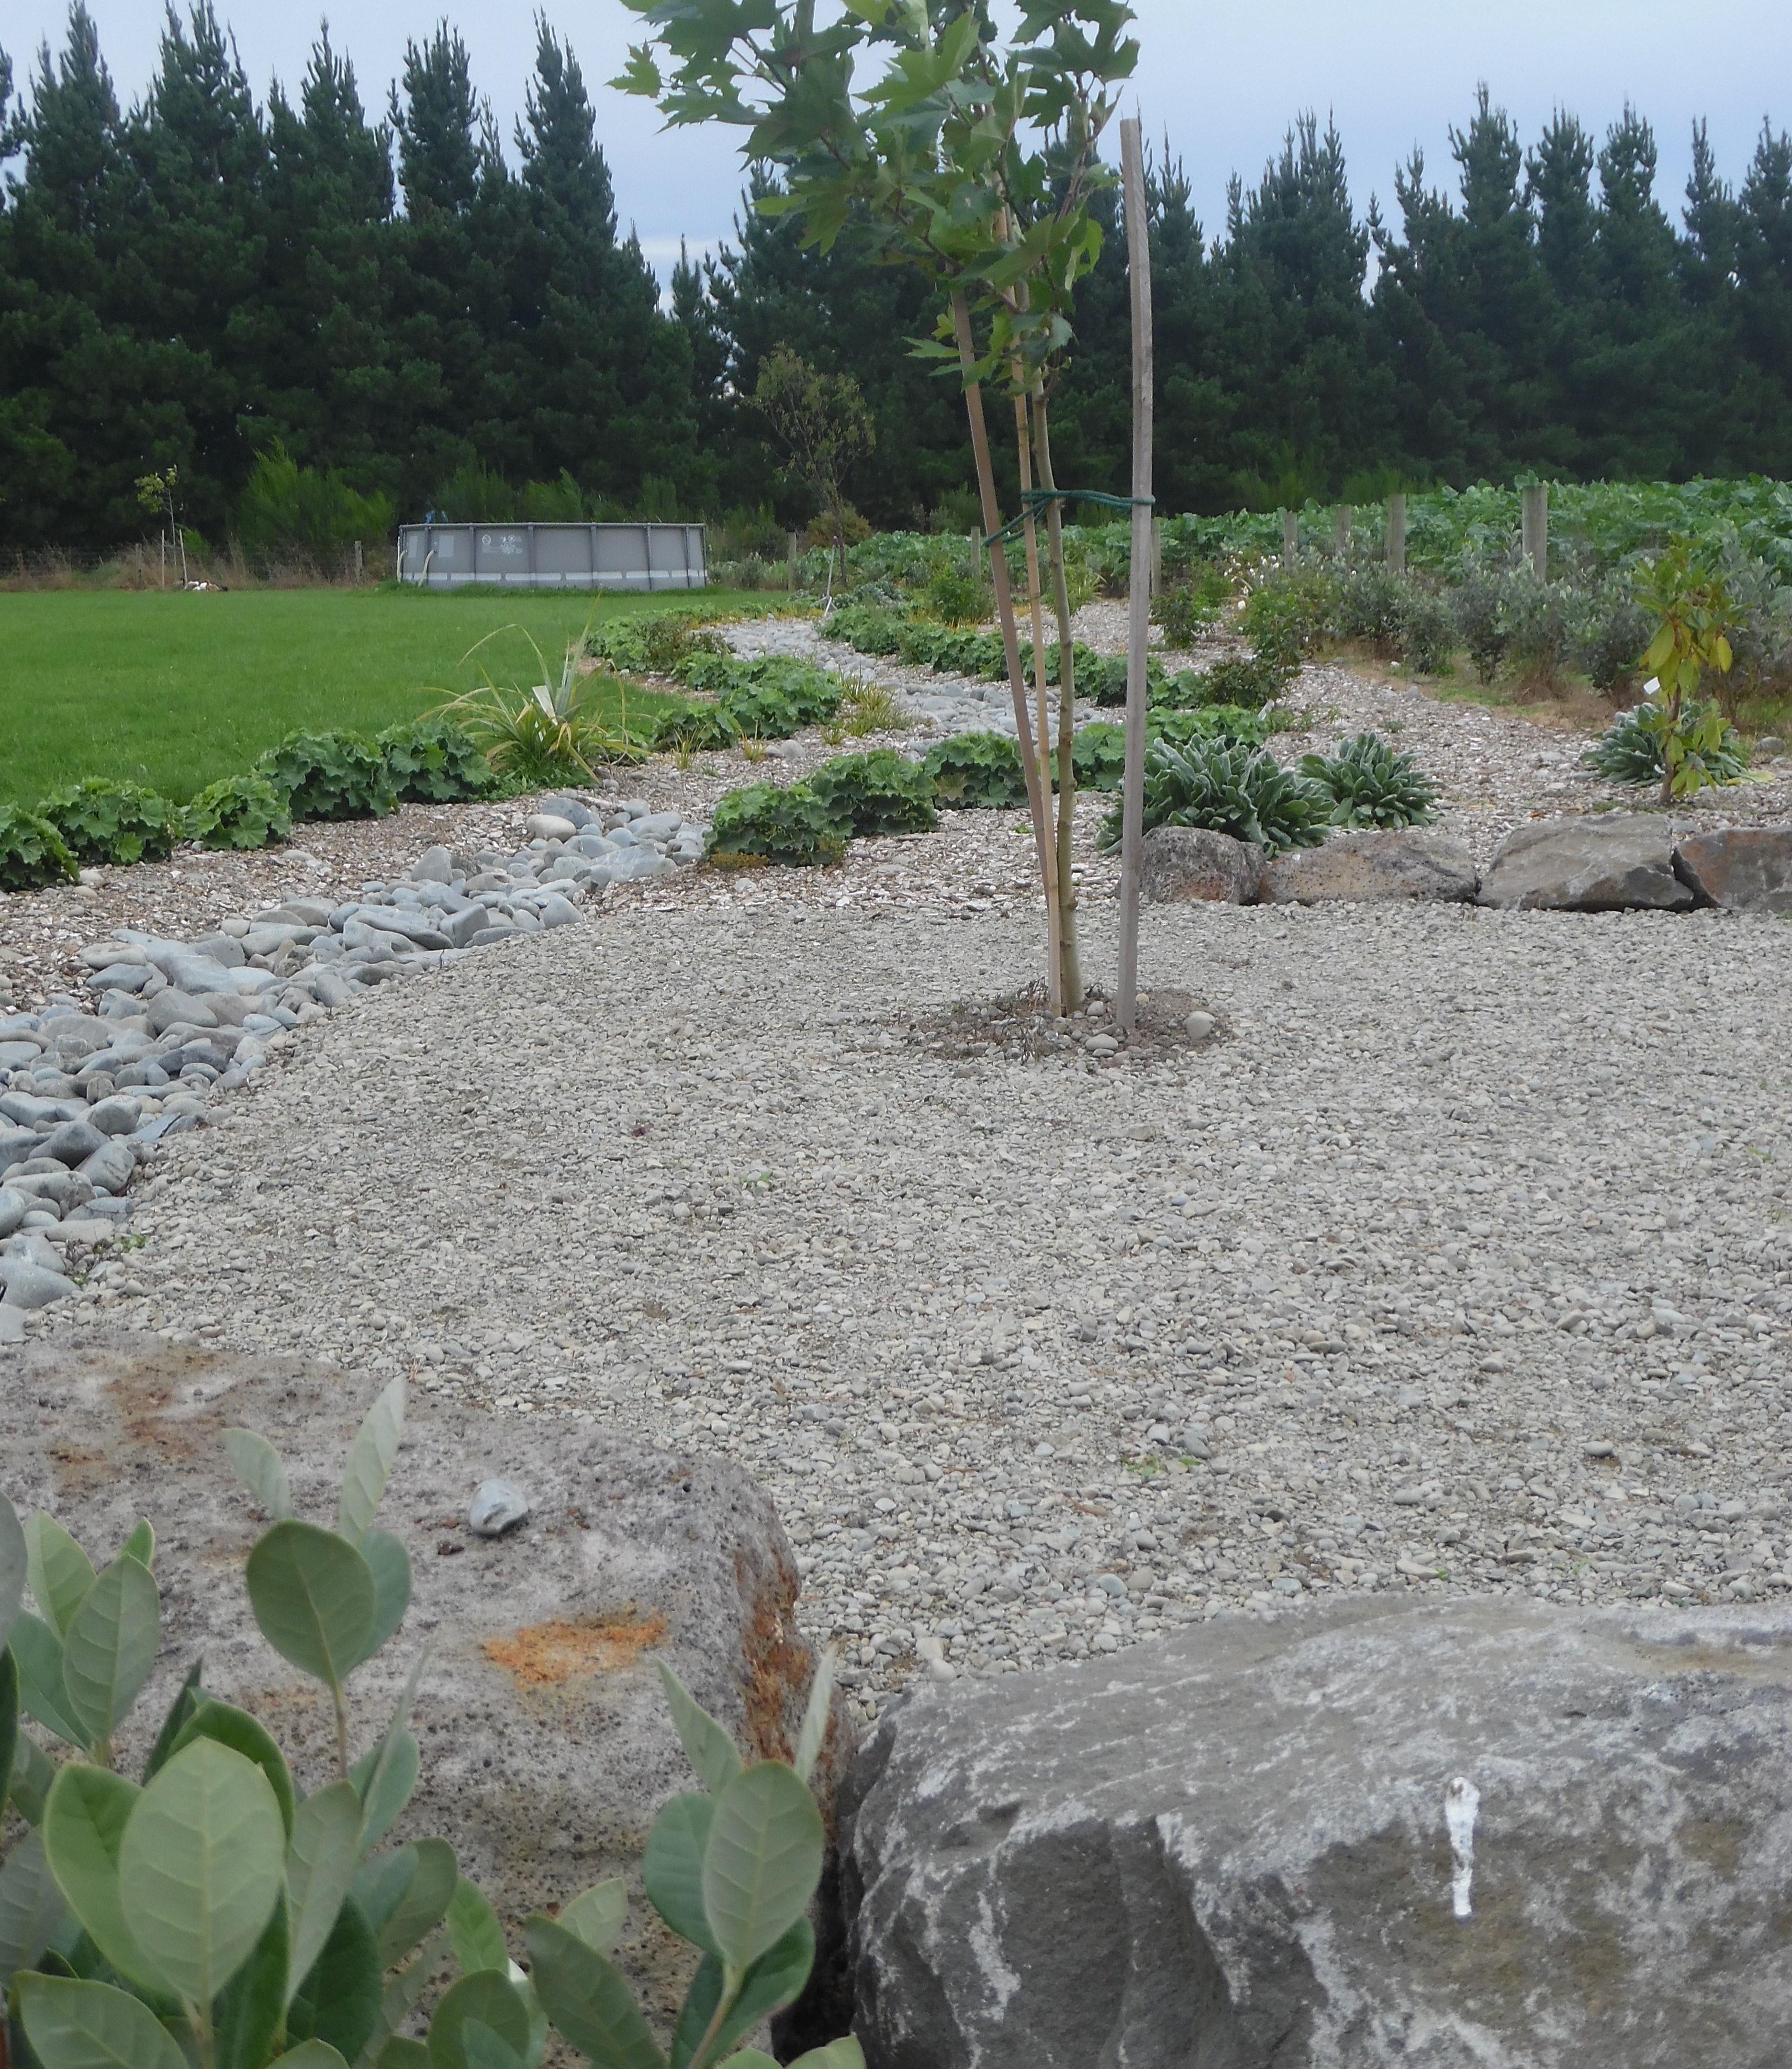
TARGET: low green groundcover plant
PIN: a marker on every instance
(330, 776)
(32, 852)
(882, 792)
(764, 823)
(1631, 751)
(1099, 750)
(1369, 784)
(434, 762)
(212, 1913)
(104, 822)
(239, 812)
(1226, 787)
(976, 771)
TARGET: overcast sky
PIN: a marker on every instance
(1222, 80)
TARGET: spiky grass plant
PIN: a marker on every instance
(555, 732)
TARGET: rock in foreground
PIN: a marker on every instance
(1230, 1849)
(1622, 864)
(1180, 865)
(1372, 866)
(1747, 869)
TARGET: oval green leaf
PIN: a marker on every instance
(31, 1907)
(340, 2001)
(140, 1545)
(320, 1872)
(33, 1772)
(775, 1980)
(386, 1777)
(671, 1868)
(109, 1650)
(60, 1571)
(473, 1929)
(423, 1902)
(84, 1819)
(309, 2054)
(587, 2002)
(15, 1568)
(312, 1594)
(260, 1468)
(598, 1915)
(242, 1733)
(246, 2014)
(37, 1651)
(390, 1564)
(492, 2000)
(481, 2048)
(707, 1746)
(91, 2026)
(763, 1861)
(201, 1866)
(8, 1722)
(370, 1461)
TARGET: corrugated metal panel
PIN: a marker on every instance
(616, 557)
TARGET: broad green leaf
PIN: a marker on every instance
(473, 1927)
(405, 1895)
(109, 1650)
(259, 1468)
(33, 1772)
(390, 1566)
(320, 1862)
(60, 1572)
(8, 1720)
(31, 1907)
(186, 1701)
(775, 1980)
(671, 1868)
(370, 1461)
(309, 2054)
(587, 2001)
(246, 2014)
(201, 1866)
(598, 1917)
(481, 2048)
(242, 1733)
(399, 2053)
(750, 2057)
(312, 1595)
(763, 1861)
(140, 1545)
(340, 2001)
(37, 1652)
(91, 2026)
(398, 1999)
(707, 1746)
(384, 1778)
(813, 1734)
(84, 1821)
(844, 2053)
(15, 1567)
(490, 1999)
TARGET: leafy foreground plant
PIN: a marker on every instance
(433, 761)
(214, 1915)
(762, 823)
(1370, 784)
(330, 776)
(883, 792)
(1226, 788)
(976, 771)
(239, 812)
(1693, 613)
(1630, 750)
(104, 822)
(555, 732)
(32, 852)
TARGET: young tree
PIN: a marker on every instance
(821, 421)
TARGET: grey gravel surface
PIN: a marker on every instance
(1459, 1260)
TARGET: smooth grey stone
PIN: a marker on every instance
(17, 1026)
(495, 1508)
(637, 867)
(411, 926)
(657, 826)
(485, 937)
(225, 948)
(261, 1023)
(330, 988)
(71, 1038)
(435, 865)
(121, 976)
(379, 972)
(148, 1076)
(14, 1207)
(548, 826)
(38, 1114)
(114, 1115)
(67, 1189)
(595, 846)
(17, 1055)
(621, 837)
(268, 941)
(34, 1248)
(90, 1228)
(1622, 862)
(107, 1208)
(635, 808)
(303, 911)
(99, 1084)
(568, 808)
(29, 1286)
(176, 1008)
(57, 1085)
(558, 912)
(189, 971)
(228, 1009)
(461, 927)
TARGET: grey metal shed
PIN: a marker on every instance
(620, 557)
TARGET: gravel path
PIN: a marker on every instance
(1461, 1260)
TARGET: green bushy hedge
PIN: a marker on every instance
(104, 822)
(434, 762)
(974, 771)
(882, 792)
(239, 812)
(330, 776)
(32, 853)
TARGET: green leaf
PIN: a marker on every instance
(186, 1701)
(309, 2054)
(598, 1917)
(260, 1468)
(390, 1566)
(140, 1545)
(813, 1734)
(60, 1572)
(370, 1461)
(406, 1895)
(763, 1862)
(473, 1927)
(483, 2049)
(201, 1866)
(15, 1567)
(671, 1868)
(8, 1722)
(340, 2001)
(750, 2058)
(491, 2000)
(91, 2026)
(399, 2053)
(238, 1730)
(84, 1821)
(313, 1597)
(320, 1861)
(844, 2053)
(397, 2001)
(246, 2014)
(707, 1746)
(588, 2001)
(33, 1773)
(31, 1907)
(775, 1980)
(37, 1652)
(384, 1778)
(109, 1650)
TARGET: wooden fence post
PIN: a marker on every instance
(1341, 517)
(1291, 537)
(1138, 259)
(1535, 520)
(791, 572)
(1397, 535)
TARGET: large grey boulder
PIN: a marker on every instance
(1615, 864)
(1183, 864)
(1360, 867)
(547, 1750)
(1748, 869)
(1231, 1849)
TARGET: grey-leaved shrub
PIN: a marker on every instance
(1226, 787)
(1369, 784)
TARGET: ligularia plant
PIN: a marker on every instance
(213, 1914)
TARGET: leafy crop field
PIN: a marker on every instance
(175, 690)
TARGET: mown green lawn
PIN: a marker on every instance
(175, 690)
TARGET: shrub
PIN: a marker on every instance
(115, 822)
(750, 572)
(958, 596)
(239, 812)
(1538, 643)
(32, 852)
(1098, 755)
(433, 761)
(1250, 681)
(1632, 751)
(1292, 613)
(771, 697)
(879, 793)
(698, 728)
(1424, 637)
(1227, 788)
(1478, 604)
(870, 627)
(762, 823)
(1369, 784)
(330, 776)
(867, 709)
(1232, 722)
(654, 645)
(1187, 608)
(977, 771)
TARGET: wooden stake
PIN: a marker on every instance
(1397, 535)
(1537, 528)
(1341, 529)
(1291, 538)
(1138, 260)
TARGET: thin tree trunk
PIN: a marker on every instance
(1010, 638)
(1070, 949)
(1030, 533)
(1138, 260)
